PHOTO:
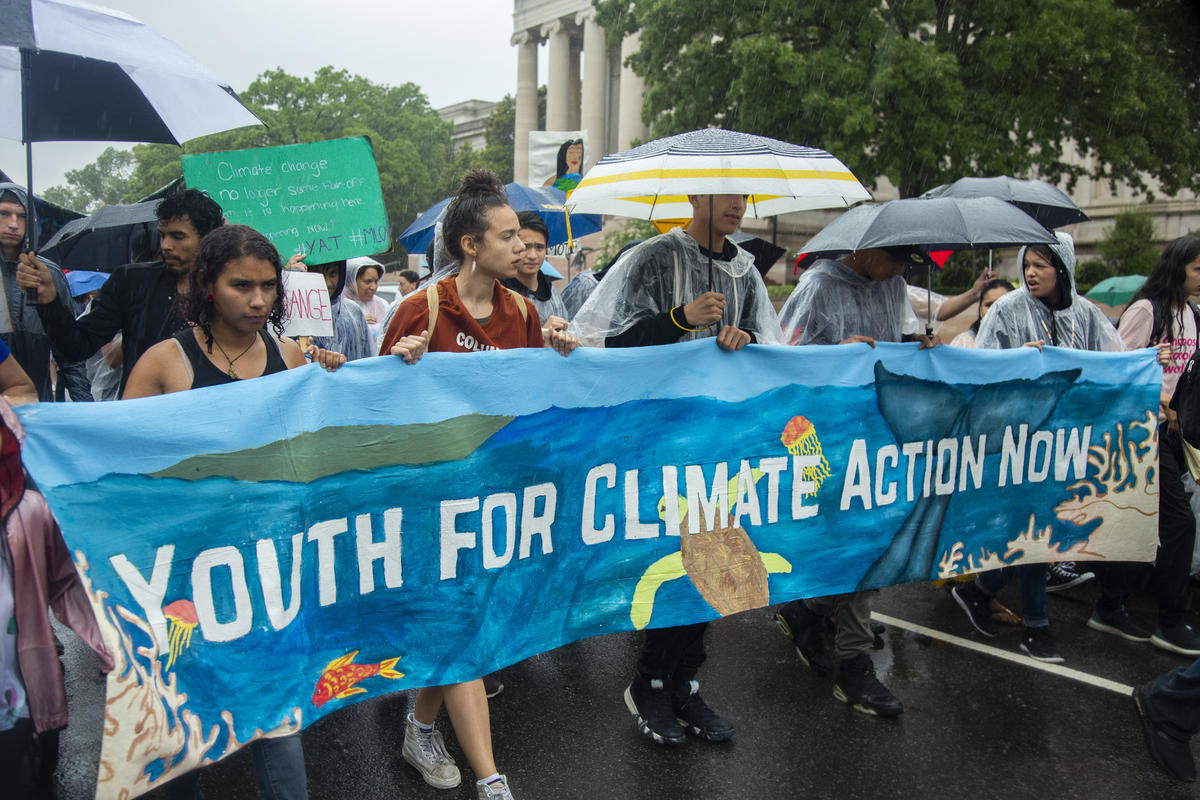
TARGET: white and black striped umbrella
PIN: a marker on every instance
(653, 181)
(73, 72)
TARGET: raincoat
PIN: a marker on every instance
(43, 577)
(376, 306)
(578, 290)
(351, 335)
(1019, 317)
(832, 302)
(546, 299)
(27, 339)
(668, 271)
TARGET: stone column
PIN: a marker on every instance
(573, 84)
(558, 96)
(629, 123)
(595, 82)
(527, 102)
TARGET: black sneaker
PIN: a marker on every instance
(649, 700)
(1118, 623)
(856, 685)
(974, 603)
(1039, 644)
(1173, 755)
(1065, 574)
(803, 627)
(695, 716)
(1181, 638)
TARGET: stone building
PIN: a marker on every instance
(587, 88)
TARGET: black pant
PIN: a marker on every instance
(14, 743)
(673, 654)
(1170, 573)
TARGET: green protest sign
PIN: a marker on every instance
(322, 198)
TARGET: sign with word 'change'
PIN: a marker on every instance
(321, 199)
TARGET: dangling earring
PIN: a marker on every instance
(210, 297)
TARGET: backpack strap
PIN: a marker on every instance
(519, 299)
(1156, 309)
(431, 298)
(1196, 315)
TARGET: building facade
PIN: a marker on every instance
(469, 119)
(587, 88)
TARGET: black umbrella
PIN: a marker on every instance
(113, 236)
(765, 253)
(1040, 200)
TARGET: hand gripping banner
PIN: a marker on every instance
(390, 526)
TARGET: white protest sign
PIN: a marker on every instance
(306, 304)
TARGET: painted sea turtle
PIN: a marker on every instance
(722, 563)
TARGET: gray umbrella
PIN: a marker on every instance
(114, 235)
(943, 223)
(1040, 200)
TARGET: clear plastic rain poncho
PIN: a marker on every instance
(832, 302)
(668, 271)
(1019, 317)
(578, 290)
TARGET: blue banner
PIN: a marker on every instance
(390, 526)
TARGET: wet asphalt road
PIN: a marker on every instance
(975, 725)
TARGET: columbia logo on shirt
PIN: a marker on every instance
(468, 342)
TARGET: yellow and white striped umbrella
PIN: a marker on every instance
(652, 181)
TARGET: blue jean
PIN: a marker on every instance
(1173, 702)
(278, 772)
(1032, 579)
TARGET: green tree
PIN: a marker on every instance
(1128, 247)
(104, 181)
(411, 143)
(926, 91)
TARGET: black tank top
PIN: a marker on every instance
(205, 373)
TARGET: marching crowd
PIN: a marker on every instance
(210, 312)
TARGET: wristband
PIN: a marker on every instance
(671, 314)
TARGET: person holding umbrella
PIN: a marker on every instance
(20, 327)
(688, 283)
(858, 298)
(143, 302)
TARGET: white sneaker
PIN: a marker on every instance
(426, 751)
(496, 790)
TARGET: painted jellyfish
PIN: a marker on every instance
(800, 438)
(181, 616)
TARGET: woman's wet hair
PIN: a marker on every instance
(994, 283)
(225, 244)
(378, 271)
(1165, 284)
(1045, 252)
(467, 214)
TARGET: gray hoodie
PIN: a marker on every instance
(28, 340)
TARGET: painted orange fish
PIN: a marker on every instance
(339, 678)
